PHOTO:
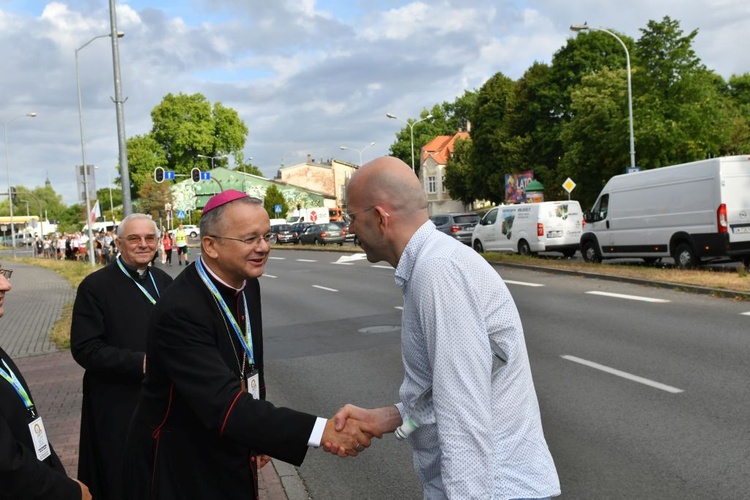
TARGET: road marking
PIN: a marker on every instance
(746, 314)
(325, 288)
(381, 267)
(306, 260)
(628, 297)
(400, 308)
(522, 283)
(349, 259)
(626, 375)
(343, 263)
(277, 258)
(269, 276)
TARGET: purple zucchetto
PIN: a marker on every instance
(223, 198)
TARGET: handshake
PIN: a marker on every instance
(351, 429)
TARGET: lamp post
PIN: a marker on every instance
(411, 127)
(584, 27)
(83, 148)
(358, 150)
(7, 174)
(212, 158)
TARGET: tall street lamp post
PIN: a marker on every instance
(584, 27)
(358, 150)
(83, 149)
(7, 173)
(411, 127)
(127, 205)
(212, 158)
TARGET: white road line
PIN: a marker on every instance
(628, 297)
(400, 308)
(634, 378)
(746, 314)
(381, 267)
(269, 276)
(522, 283)
(342, 263)
(305, 260)
(325, 288)
(277, 258)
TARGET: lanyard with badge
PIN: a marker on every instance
(36, 426)
(145, 292)
(252, 385)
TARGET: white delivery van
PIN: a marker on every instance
(317, 215)
(693, 212)
(550, 226)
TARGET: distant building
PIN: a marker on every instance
(329, 177)
(433, 159)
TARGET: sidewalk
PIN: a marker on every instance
(31, 308)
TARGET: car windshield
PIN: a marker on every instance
(282, 227)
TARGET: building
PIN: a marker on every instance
(329, 178)
(434, 157)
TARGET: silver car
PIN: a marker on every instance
(458, 225)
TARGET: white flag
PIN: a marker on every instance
(95, 212)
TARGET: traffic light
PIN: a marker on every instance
(13, 193)
(195, 174)
(159, 174)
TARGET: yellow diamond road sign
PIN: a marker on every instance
(569, 185)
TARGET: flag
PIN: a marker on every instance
(95, 212)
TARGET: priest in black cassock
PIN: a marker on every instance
(202, 426)
(108, 339)
(29, 467)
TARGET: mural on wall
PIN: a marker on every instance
(183, 196)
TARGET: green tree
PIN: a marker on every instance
(459, 178)
(153, 199)
(144, 155)
(249, 168)
(274, 197)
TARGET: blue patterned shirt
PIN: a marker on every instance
(488, 441)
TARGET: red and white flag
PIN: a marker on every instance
(95, 212)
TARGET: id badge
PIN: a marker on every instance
(39, 438)
(253, 384)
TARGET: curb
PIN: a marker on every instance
(715, 292)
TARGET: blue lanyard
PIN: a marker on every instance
(247, 341)
(11, 378)
(145, 292)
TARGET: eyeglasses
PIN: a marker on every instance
(351, 214)
(134, 239)
(6, 273)
(251, 241)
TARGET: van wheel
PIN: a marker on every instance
(590, 252)
(478, 246)
(684, 256)
(524, 248)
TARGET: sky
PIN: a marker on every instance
(305, 76)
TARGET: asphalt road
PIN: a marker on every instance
(643, 393)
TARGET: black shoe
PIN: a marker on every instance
(179, 263)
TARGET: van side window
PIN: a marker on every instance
(600, 209)
(490, 217)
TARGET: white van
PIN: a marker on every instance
(692, 212)
(550, 226)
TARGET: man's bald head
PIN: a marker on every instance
(388, 182)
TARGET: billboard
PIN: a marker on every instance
(515, 186)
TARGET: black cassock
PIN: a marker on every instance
(196, 432)
(22, 475)
(108, 339)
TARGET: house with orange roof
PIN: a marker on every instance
(433, 159)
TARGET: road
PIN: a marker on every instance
(643, 391)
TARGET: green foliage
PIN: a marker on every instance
(249, 168)
(144, 155)
(459, 178)
(153, 198)
(274, 197)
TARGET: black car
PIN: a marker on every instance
(298, 228)
(282, 233)
(458, 225)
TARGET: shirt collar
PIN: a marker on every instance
(135, 273)
(411, 251)
(221, 281)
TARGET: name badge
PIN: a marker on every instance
(39, 438)
(253, 384)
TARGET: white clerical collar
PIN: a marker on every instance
(213, 274)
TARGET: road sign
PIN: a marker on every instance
(569, 185)
(277, 209)
(181, 214)
(169, 175)
(205, 176)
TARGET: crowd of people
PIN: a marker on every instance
(174, 369)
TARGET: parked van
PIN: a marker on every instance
(550, 226)
(693, 212)
(316, 215)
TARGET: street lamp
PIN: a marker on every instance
(7, 173)
(83, 148)
(358, 150)
(212, 158)
(584, 27)
(411, 127)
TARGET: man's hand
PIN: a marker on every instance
(378, 420)
(351, 438)
(85, 494)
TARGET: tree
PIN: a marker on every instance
(274, 197)
(153, 199)
(249, 168)
(459, 179)
(144, 155)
